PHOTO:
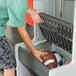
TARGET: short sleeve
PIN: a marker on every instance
(17, 10)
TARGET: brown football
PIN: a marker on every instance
(49, 59)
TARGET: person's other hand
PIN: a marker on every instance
(35, 15)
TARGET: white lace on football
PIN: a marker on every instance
(49, 61)
(42, 49)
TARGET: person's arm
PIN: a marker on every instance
(25, 36)
(16, 12)
(23, 33)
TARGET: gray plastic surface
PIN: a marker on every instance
(57, 31)
(23, 61)
(33, 64)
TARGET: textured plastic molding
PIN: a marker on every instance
(57, 31)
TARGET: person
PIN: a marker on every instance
(15, 11)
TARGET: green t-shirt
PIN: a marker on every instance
(14, 11)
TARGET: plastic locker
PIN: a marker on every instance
(38, 69)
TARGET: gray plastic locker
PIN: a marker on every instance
(27, 65)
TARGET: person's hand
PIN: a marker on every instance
(35, 15)
(37, 54)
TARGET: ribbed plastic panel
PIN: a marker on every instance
(57, 31)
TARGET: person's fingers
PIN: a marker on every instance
(39, 21)
(42, 20)
(42, 49)
(39, 11)
(44, 53)
(40, 60)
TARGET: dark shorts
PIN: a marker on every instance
(7, 60)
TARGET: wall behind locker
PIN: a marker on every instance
(69, 11)
(64, 9)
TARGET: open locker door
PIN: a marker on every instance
(28, 65)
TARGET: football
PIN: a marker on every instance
(48, 59)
